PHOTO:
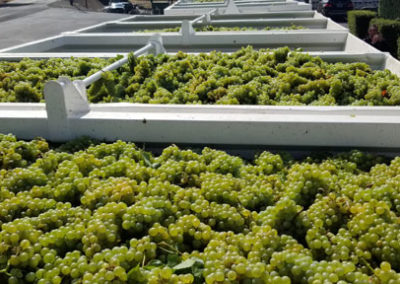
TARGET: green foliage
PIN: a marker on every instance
(358, 22)
(389, 9)
(398, 47)
(390, 30)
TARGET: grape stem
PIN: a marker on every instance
(172, 249)
(367, 264)
(4, 270)
(168, 251)
(144, 260)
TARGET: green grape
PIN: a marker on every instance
(210, 28)
(90, 212)
(24, 81)
(247, 76)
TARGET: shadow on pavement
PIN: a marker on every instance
(14, 4)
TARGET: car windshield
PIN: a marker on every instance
(118, 1)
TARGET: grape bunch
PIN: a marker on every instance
(24, 81)
(91, 212)
(249, 77)
(211, 28)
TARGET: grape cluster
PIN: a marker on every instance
(90, 212)
(24, 81)
(211, 28)
(248, 76)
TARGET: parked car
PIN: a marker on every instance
(335, 8)
(366, 5)
(120, 6)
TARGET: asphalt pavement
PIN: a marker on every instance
(23, 21)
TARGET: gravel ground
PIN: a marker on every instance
(23, 21)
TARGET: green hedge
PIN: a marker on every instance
(390, 30)
(359, 22)
(398, 48)
(389, 9)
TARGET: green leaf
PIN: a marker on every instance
(146, 158)
(134, 272)
(153, 264)
(173, 260)
(193, 265)
(198, 274)
(189, 264)
(155, 165)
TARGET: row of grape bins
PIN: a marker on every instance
(66, 113)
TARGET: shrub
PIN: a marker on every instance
(390, 30)
(389, 9)
(359, 22)
(398, 48)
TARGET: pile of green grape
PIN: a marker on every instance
(248, 76)
(211, 28)
(90, 212)
(24, 81)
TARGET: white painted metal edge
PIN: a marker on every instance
(237, 3)
(157, 18)
(199, 40)
(52, 41)
(223, 4)
(16, 56)
(122, 20)
(308, 23)
(375, 127)
(280, 130)
(283, 14)
(177, 10)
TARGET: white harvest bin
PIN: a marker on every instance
(67, 115)
(259, 23)
(377, 127)
(308, 40)
(243, 16)
(230, 7)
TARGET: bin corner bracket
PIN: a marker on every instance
(64, 100)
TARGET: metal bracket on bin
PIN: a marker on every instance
(66, 100)
(207, 18)
(187, 29)
(157, 43)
